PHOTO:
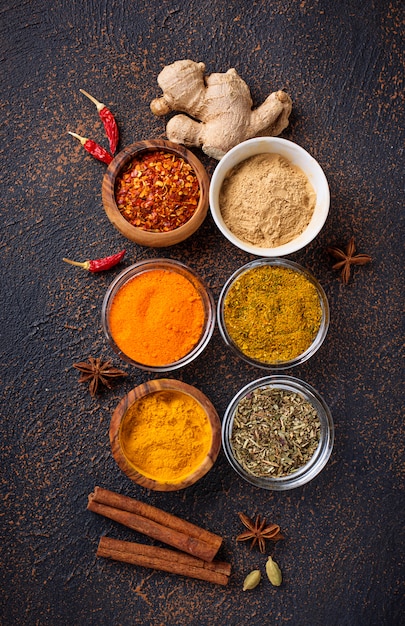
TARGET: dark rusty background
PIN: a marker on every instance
(342, 63)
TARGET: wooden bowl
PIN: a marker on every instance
(144, 237)
(118, 419)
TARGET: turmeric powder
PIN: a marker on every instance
(272, 314)
(166, 435)
(157, 317)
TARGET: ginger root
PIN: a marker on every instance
(218, 108)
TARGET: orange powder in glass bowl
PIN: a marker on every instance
(158, 315)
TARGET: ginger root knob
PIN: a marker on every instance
(215, 111)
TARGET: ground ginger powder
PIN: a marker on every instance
(272, 314)
(166, 435)
(267, 201)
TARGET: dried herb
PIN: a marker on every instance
(275, 432)
(347, 259)
(96, 372)
(258, 532)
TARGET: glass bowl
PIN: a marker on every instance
(260, 315)
(148, 237)
(122, 423)
(159, 315)
(320, 457)
(296, 156)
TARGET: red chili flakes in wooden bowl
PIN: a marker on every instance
(157, 191)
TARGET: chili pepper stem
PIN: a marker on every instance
(98, 104)
(85, 264)
(81, 139)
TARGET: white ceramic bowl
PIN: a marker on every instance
(297, 156)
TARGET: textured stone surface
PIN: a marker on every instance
(342, 63)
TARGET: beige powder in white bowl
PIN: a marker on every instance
(269, 197)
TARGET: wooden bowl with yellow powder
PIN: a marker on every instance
(165, 435)
(158, 315)
(273, 313)
(156, 193)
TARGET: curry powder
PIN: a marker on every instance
(272, 314)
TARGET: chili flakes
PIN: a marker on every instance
(157, 191)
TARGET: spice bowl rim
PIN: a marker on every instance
(318, 339)
(150, 387)
(144, 237)
(174, 265)
(320, 457)
(296, 155)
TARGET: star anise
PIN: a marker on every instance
(346, 259)
(258, 532)
(96, 372)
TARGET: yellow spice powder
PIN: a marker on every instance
(272, 313)
(166, 435)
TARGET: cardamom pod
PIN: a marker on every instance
(273, 572)
(252, 580)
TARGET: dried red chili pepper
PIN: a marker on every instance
(110, 125)
(99, 265)
(97, 151)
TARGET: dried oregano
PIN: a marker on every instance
(275, 432)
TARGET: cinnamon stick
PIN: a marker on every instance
(130, 547)
(154, 530)
(104, 496)
(155, 523)
(163, 560)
